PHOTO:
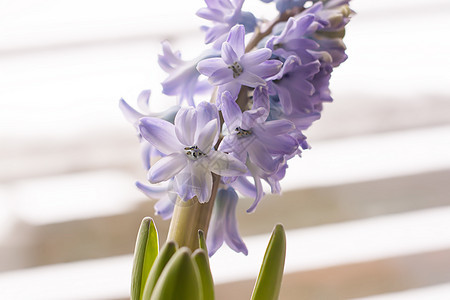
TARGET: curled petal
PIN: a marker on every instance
(232, 237)
(143, 100)
(130, 113)
(154, 192)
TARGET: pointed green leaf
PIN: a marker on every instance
(202, 240)
(268, 284)
(145, 252)
(167, 251)
(207, 285)
(179, 279)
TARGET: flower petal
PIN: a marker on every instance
(224, 164)
(167, 167)
(255, 57)
(232, 237)
(205, 113)
(151, 191)
(185, 122)
(129, 113)
(160, 134)
(250, 79)
(143, 100)
(231, 112)
(266, 69)
(164, 207)
(207, 136)
(210, 65)
(259, 155)
(228, 54)
(236, 38)
(249, 117)
(277, 127)
(221, 76)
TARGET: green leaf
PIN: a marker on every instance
(145, 253)
(179, 279)
(207, 285)
(202, 241)
(268, 284)
(166, 253)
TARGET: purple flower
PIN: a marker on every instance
(183, 75)
(188, 146)
(133, 116)
(236, 68)
(293, 85)
(224, 14)
(293, 40)
(253, 138)
(223, 224)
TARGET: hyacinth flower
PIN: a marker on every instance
(261, 145)
(224, 14)
(236, 68)
(293, 85)
(188, 146)
(133, 116)
(224, 224)
(293, 40)
(183, 79)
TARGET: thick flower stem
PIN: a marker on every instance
(191, 216)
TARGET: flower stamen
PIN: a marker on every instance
(242, 132)
(236, 68)
(194, 152)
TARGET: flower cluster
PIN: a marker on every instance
(266, 92)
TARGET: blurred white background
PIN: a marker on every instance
(367, 209)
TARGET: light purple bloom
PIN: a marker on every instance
(236, 68)
(183, 75)
(224, 14)
(253, 138)
(293, 40)
(188, 146)
(223, 224)
(293, 85)
(133, 116)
